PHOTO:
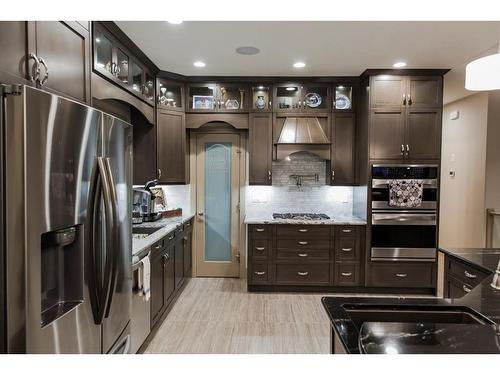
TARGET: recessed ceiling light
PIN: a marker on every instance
(175, 22)
(247, 50)
(290, 88)
(261, 87)
(399, 64)
(199, 64)
(299, 64)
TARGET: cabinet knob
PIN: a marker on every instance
(259, 230)
(346, 230)
(303, 230)
(466, 289)
(269, 175)
(159, 173)
(404, 99)
(407, 149)
(402, 149)
(260, 248)
(469, 275)
(333, 175)
(409, 99)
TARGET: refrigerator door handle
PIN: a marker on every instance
(115, 234)
(95, 283)
(111, 259)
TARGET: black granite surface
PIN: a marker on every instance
(483, 298)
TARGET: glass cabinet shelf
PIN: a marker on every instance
(288, 97)
(342, 100)
(170, 94)
(261, 98)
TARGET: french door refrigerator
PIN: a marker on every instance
(66, 226)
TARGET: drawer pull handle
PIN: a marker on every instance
(470, 275)
(346, 274)
(302, 273)
(303, 230)
(346, 230)
(259, 230)
(347, 249)
(401, 274)
(171, 237)
(260, 273)
(303, 242)
(303, 255)
(259, 248)
(157, 247)
(466, 289)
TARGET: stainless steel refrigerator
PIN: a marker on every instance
(65, 226)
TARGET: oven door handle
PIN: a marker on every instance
(384, 183)
(403, 219)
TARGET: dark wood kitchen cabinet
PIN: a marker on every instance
(461, 277)
(343, 149)
(188, 247)
(260, 148)
(302, 97)
(179, 256)
(59, 51)
(162, 277)
(291, 257)
(172, 148)
(405, 117)
(218, 97)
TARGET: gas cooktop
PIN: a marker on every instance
(301, 216)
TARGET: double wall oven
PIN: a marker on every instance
(404, 233)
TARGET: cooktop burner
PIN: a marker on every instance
(301, 216)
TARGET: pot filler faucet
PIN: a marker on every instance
(300, 177)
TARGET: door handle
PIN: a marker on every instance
(35, 70)
(269, 175)
(402, 275)
(409, 99)
(407, 149)
(260, 273)
(46, 76)
(159, 173)
(402, 149)
(470, 275)
(404, 99)
(259, 230)
(466, 289)
(346, 230)
(346, 274)
(260, 248)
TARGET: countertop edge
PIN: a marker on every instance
(464, 259)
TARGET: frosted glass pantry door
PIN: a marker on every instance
(217, 186)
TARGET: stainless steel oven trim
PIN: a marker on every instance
(404, 218)
(384, 205)
(406, 165)
(403, 253)
(384, 183)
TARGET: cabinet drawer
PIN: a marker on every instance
(298, 274)
(346, 230)
(258, 248)
(465, 272)
(402, 274)
(303, 244)
(456, 288)
(303, 231)
(259, 231)
(302, 255)
(258, 273)
(347, 249)
(347, 274)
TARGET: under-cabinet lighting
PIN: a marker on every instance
(290, 88)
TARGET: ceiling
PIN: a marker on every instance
(328, 48)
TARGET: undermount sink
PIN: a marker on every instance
(143, 232)
(360, 314)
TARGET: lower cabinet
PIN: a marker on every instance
(170, 265)
(461, 277)
(299, 255)
(402, 274)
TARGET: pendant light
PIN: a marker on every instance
(483, 74)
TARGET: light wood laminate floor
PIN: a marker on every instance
(214, 315)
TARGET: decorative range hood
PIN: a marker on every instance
(303, 134)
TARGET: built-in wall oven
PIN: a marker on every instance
(404, 233)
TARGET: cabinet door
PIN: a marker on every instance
(157, 301)
(424, 92)
(423, 134)
(387, 91)
(14, 52)
(65, 49)
(455, 288)
(169, 275)
(179, 260)
(187, 241)
(387, 134)
(343, 149)
(171, 143)
(260, 148)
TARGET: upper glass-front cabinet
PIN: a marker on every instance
(261, 98)
(301, 98)
(342, 97)
(170, 94)
(113, 61)
(210, 97)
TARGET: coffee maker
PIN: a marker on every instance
(144, 205)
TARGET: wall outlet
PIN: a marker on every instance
(451, 174)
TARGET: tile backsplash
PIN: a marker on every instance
(312, 196)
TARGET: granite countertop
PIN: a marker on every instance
(412, 337)
(167, 225)
(336, 220)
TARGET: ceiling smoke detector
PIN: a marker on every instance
(247, 50)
